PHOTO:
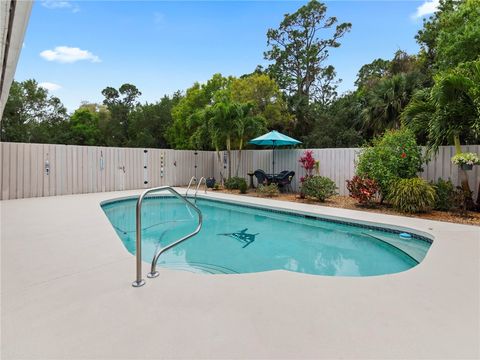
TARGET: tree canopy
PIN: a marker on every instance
(435, 93)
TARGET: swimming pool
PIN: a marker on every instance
(244, 239)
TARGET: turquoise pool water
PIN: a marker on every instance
(240, 239)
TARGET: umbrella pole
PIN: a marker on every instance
(273, 159)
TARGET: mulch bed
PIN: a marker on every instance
(346, 202)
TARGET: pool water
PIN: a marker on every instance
(240, 239)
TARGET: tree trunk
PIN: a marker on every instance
(220, 165)
(229, 154)
(239, 156)
(464, 176)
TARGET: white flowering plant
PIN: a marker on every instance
(466, 159)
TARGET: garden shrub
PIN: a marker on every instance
(412, 195)
(445, 195)
(393, 156)
(362, 189)
(234, 183)
(318, 187)
(242, 186)
(268, 190)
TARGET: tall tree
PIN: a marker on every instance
(149, 123)
(265, 97)
(32, 115)
(386, 101)
(451, 112)
(83, 128)
(120, 103)
(248, 126)
(338, 125)
(299, 54)
(427, 37)
(188, 128)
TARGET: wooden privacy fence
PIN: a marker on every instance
(339, 165)
(34, 170)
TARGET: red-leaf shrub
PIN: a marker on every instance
(307, 162)
(362, 189)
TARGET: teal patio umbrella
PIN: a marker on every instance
(274, 139)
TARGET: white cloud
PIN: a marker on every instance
(158, 18)
(427, 8)
(60, 4)
(49, 86)
(66, 54)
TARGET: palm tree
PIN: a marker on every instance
(223, 127)
(387, 101)
(248, 127)
(232, 124)
(450, 110)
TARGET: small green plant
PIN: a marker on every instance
(216, 186)
(234, 183)
(445, 195)
(412, 195)
(243, 187)
(466, 159)
(318, 187)
(268, 190)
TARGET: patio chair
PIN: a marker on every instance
(284, 180)
(262, 177)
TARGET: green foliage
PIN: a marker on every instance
(235, 183)
(149, 123)
(412, 195)
(458, 39)
(444, 195)
(265, 98)
(299, 54)
(31, 115)
(83, 128)
(120, 104)
(337, 125)
(190, 127)
(450, 110)
(318, 187)
(386, 101)
(243, 187)
(268, 190)
(393, 156)
(369, 74)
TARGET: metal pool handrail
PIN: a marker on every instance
(190, 184)
(153, 273)
(198, 187)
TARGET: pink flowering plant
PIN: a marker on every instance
(307, 161)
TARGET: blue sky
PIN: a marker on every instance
(78, 48)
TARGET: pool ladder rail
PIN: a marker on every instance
(153, 272)
(194, 179)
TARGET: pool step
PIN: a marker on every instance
(201, 267)
(416, 249)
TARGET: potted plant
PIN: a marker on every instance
(466, 160)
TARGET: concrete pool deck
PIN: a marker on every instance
(66, 293)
